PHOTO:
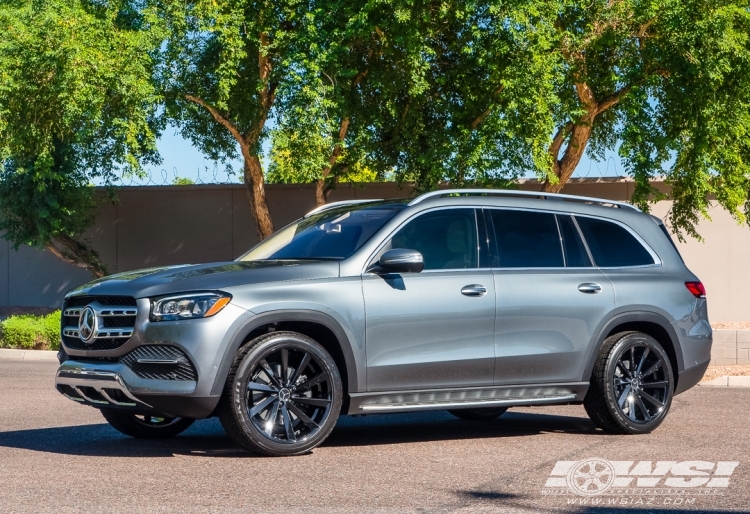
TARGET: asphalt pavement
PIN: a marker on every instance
(58, 456)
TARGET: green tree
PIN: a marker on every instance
(472, 100)
(222, 67)
(667, 83)
(76, 103)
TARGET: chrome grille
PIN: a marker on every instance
(115, 315)
(160, 362)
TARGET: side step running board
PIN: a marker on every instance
(466, 404)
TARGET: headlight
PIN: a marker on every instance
(189, 306)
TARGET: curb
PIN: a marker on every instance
(727, 382)
(29, 355)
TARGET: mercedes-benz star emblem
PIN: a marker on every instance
(87, 324)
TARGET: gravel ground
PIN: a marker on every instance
(57, 456)
(728, 371)
(731, 325)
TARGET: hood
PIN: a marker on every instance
(204, 277)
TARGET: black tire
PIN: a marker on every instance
(146, 426)
(632, 385)
(479, 414)
(282, 396)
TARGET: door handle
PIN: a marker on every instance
(590, 288)
(474, 290)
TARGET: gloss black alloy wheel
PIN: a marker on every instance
(631, 386)
(283, 395)
(146, 426)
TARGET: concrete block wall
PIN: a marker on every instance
(730, 347)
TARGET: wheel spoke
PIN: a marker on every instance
(302, 416)
(271, 375)
(317, 402)
(320, 377)
(260, 387)
(643, 408)
(643, 358)
(624, 369)
(271, 421)
(651, 369)
(631, 408)
(650, 399)
(284, 365)
(260, 407)
(623, 396)
(302, 365)
(654, 385)
(288, 424)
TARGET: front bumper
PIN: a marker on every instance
(115, 386)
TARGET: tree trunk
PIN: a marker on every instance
(256, 195)
(580, 133)
(321, 193)
(78, 254)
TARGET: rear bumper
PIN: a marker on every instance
(114, 386)
(689, 377)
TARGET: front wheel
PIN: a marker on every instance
(282, 396)
(631, 386)
(146, 426)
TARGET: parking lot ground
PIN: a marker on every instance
(57, 456)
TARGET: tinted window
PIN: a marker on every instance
(575, 252)
(612, 245)
(526, 239)
(334, 234)
(447, 239)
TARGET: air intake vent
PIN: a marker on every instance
(160, 362)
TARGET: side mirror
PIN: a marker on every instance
(401, 260)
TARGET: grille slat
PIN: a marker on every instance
(106, 322)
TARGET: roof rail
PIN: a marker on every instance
(529, 194)
(339, 204)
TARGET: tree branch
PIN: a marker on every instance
(218, 117)
(613, 99)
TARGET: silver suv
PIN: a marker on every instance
(471, 301)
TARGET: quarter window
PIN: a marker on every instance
(526, 239)
(612, 245)
(447, 239)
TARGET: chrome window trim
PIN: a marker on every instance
(369, 261)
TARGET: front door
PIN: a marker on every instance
(432, 329)
(551, 300)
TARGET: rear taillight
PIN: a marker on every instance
(696, 288)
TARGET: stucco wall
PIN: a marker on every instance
(154, 226)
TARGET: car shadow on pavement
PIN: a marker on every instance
(207, 438)
(440, 425)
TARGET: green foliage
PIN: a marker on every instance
(183, 181)
(76, 102)
(29, 331)
(675, 77)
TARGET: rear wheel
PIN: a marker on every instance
(631, 386)
(479, 414)
(282, 396)
(146, 426)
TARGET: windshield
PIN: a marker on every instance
(333, 234)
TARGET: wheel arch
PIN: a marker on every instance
(655, 325)
(317, 325)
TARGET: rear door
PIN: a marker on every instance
(550, 298)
